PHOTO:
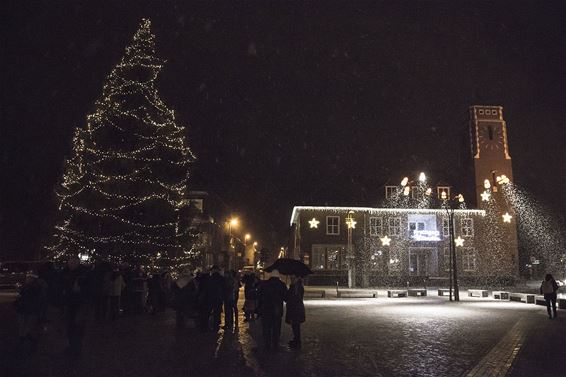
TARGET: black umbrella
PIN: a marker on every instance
(288, 266)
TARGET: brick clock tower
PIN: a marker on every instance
(491, 158)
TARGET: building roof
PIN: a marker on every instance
(296, 209)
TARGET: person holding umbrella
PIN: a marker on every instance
(294, 297)
(295, 314)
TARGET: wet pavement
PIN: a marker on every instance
(424, 336)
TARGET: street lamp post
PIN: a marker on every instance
(453, 277)
(233, 222)
(351, 224)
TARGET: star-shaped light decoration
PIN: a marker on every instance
(314, 223)
(459, 241)
(485, 196)
(385, 241)
(351, 223)
(507, 217)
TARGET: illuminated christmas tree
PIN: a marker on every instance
(123, 188)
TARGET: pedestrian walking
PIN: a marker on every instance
(250, 296)
(185, 297)
(295, 314)
(29, 309)
(117, 286)
(272, 293)
(75, 294)
(231, 294)
(215, 288)
(548, 288)
(201, 282)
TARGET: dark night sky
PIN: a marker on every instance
(288, 103)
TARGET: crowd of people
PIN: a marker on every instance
(108, 292)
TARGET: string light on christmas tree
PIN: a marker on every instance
(125, 183)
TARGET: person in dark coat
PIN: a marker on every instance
(295, 314)
(75, 295)
(215, 288)
(201, 281)
(250, 294)
(548, 288)
(231, 294)
(271, 295)
(29, 309)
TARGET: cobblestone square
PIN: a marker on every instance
(422, 336)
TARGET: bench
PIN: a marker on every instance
(561, 303)
(397, 293)
(522, 297)
(478, 293)
(356, 294)
(315, 293)
(501, 295)
(443, 291)
(417, 292)
(539, 300)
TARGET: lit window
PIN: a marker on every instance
(395, 226)
(391, 191)
(332, 225)
(394, 262)
(441, 189)
(469, 259)
(375, 226)
(327, 257)
(415, 225)
(467, 227)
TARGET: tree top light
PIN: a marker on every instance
(422, 177)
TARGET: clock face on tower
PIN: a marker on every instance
(491, 138)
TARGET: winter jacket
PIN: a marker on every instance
(295, 306)
(271, 294)
(548, 287)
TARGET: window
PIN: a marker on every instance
(415, 225)
(395, 226)
(467, 227)
(327, 257)
(391, 191)
(414, 192)
(440, 189)
(394, 262)
(375, 226)
(469, 259)
(446, 259)
(318, 258)
(446, 227)
(375, 258)
(332, 225)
